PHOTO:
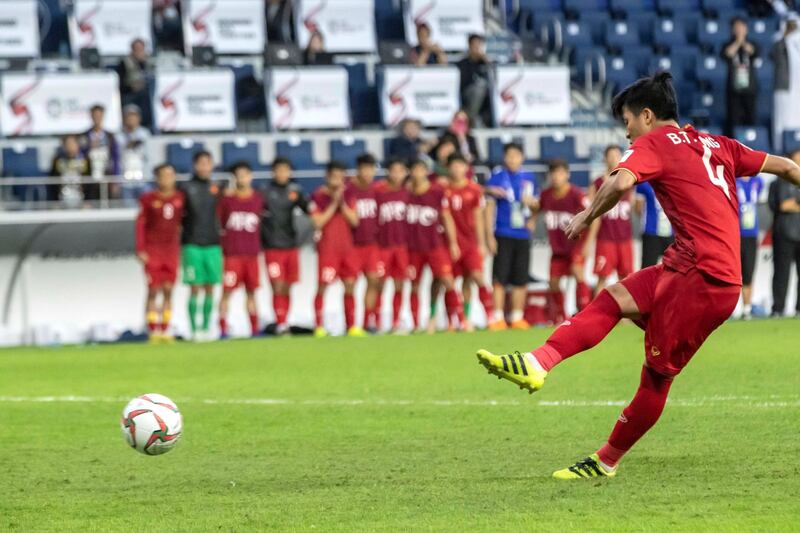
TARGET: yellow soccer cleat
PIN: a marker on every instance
(155, 338)
(585, 469)
(320, 332)
(356, 331)
(514, 368)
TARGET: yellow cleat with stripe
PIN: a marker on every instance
(585, 469)
(514, 368)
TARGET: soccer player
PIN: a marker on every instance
(158, 246)
(678, 303)
(279, 237)
(240, 216)
(511, 198)
(465, 198)
(201, 253)
(614, 244)
(656, 229)
(333, 212)
(748, 190)
(365, 235)
(560, 202)
(392, 197)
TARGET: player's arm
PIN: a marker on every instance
(321, 218)
(609, 194)
(139, 228)
(349, 212)
(489, 214)
(450, 232)
(480, 229)
(784, 168)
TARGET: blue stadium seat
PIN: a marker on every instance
(496, 148)
(791, 141)
(541, 5)
(674, 6)
(364, 98)
(23, 162)
(179, 154)
(646, 22)
(762, 34)
(620, 34)
(546, 22)
(716, 8)
(577, 33)
(620, 74)
(389, 21)
(712, 34)
(637, 57)
(597, 21)
(583, 54)
(669, 32)
(690, 21)
(764, 104)
(578, 6)
(557, 147)
(712, 72)
(765, 74)
(299, 152)
(627, 7)
(756, 137)
(241, 150)
(347, 150)
(684, 61)
(711, 104)
(663, 62)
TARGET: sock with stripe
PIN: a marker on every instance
(208, 308)
(349, 310)
(193, 312)
(583, 295)
(467, 308)
(152, 322)
(254, 323)
(223, 326)
(581, 332)
(638, 417)
(166, 318)
(319, 302)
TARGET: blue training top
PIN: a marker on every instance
(512, 216)
(655, 220)
(749, 190)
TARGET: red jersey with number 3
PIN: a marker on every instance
(335, 237)
(615, 224)
(424, 219)
(392, 207)
(463, 202)
(694, 177)
(240, 218)
(367, 208)
(158, 224)
(558, 212)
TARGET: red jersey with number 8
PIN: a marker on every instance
(694, 177)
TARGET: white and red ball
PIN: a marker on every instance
(152, 424)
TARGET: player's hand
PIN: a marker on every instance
(337, 195)
(491, 245)
(455, 252)
(144, 257)
(497, 192)
(531, 202)
(578, 225)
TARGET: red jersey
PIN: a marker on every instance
(615, 225)
(694, 177)
(392, 207)
(159, 222)
(558, 212)
(367, 208)
(463, 202)
(336, 236)
(424, 217)
(240, 218)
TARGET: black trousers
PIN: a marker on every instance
(653, 247)
(741, 108)
(784, 252)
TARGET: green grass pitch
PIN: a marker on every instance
(399, 433)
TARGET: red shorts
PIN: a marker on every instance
(393, 262)
(282, 264)
(678, 312)
(437, 259)
(366, 258)
(241, 270)
(561, 265)
(162, 267)
(471, 260)
(337, 265)
(613, 256)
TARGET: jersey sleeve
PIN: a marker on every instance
(141, 223)
(746, 161)
(641, 160)
(314, 206)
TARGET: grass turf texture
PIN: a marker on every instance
(393, 433)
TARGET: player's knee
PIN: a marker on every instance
(627, 304)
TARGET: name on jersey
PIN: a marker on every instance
(366, 208)
(392, 212)
(683, 138)
(242, 221)
(423, 215)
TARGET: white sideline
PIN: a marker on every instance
(768, 402)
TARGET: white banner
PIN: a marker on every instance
(528, 95)
(110, 25)
(308, 98)
(450, 21)
(429, 94)
(345, 25)
(230, 26)
(195, 100)
(19, 29)
(57, 103)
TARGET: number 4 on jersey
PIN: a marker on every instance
(717, 178)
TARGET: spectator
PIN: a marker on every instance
(100, 147)
(742, 89)
(408, 144)
(427, 52)
(786, 58)
(314, 54)
(133, 71)
(167, 24)
(458, 132)
(441, 155)
(279, 21)
(748, 190)
(475, 82)
(784, 201)
(70, 164)
(132, 142)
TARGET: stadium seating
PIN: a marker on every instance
(241, 150)
(791, 141)
(347, 150)
(620, 34)
(23, 162)
(495, 152)
(179, 154)
(756, 138)
(557, 146)
(299, 152)
(712, 34)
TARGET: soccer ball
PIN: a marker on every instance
(151, 424)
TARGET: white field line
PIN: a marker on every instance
(765, 402)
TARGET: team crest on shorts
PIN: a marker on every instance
(655, 351)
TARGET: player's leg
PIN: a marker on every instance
(397, 302)
(151, 312)
(583, 294)
(223, 312)
(191, 264)
(797, 270)
(556, 310)
(350, 308)
(166, 311)
(415, 263)
(212, 259)
(371, 297)
(466, 301)
(518, 278)
(782, 264)
(749, 247)
(602, 265)
(435, 291)
(501, 277)
(452, 300)
(252, 312)
(252, 280)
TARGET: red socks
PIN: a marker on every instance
(556, 312)
(487, 302)
(280, 303)
(415, 308)
(254, 324)
(319, 302)
(397, 305)
(580, 332)
(583, 295)
(452, 302)
(223, 326)
(636, 419)
(349, 310)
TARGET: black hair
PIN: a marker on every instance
(97, 107)
(200, 154)
(415, 162)
(555, 164)
(240, 164)
(653, 92)
(456, 157)
(611, 147)
(421, 25)
(475, 36)
(335, 165)
(161, 167)
(366, 159)
(392, 161)
(736, 19)
(281, 161)
(512, 146)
